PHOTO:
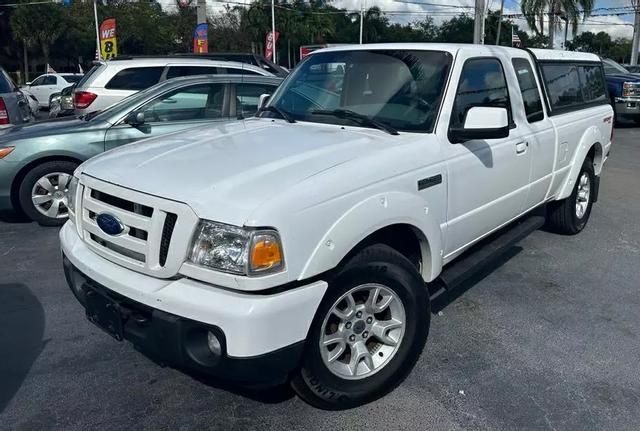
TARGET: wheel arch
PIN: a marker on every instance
(590, 146)
(396, 224)
(19, 177)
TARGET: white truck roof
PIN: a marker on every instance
(541, 54)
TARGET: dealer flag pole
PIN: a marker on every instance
(95, 15)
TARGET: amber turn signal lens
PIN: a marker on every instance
(5, 152)
(266, 253)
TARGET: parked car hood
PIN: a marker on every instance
(623, 77)
(225, 172)
(49, 127)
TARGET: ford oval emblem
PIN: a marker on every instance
(110, 224)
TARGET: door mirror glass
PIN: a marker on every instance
(262, 102)
(135, 118)
(482, 122)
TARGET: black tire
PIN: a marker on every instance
(28, 182)
(318, 385)
(562, 216)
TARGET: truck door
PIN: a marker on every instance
(488, 178)
(537, 129)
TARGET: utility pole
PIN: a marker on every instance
(26, 61)
(478, 24)
(499, 22)
(361, 19)
(636, 32)
(273, 29)
(95, 16)
(201, 11)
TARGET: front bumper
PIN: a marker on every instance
(627, 106)
(262, 336)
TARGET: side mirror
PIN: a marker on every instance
(482, 122)
(135, 119)
(262, 102)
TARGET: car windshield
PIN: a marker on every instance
(72, 78)
(127, 103)
(611, 67)
(399, 89)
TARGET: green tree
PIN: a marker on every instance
(39, 25)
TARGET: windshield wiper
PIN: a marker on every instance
(280, 112)
(360, 118)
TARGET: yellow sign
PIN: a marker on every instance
(108, 41)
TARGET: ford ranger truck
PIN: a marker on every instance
(307, 245)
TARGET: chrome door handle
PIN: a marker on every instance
(521, 147)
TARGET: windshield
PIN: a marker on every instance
(127, 103)
(72, 79)
(400, 89)
(611, 67)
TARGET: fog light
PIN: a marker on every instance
(214, 344)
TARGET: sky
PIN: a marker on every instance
(409, 10)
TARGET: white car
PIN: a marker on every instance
(45, 85)
(109, 82)
(307, 244)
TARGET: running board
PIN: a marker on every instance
(479, 256)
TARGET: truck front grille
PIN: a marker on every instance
(156, 232)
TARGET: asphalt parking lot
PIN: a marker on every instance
(548, 339)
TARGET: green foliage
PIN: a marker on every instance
(601, 43)
(66, 35)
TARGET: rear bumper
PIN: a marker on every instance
(261, 336)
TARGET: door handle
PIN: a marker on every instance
(521, 147)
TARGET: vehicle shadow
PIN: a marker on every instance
(21, 330)
(8, 216)
(274, 394)
(450, 297)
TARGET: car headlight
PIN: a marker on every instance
(237, 250)
(72, 189)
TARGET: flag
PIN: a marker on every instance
(515, 39)
(50, 69)
(201, 39)
(108, 40)
(80, 69)
(271, 41)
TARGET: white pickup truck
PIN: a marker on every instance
(307, 244)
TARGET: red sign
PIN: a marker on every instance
(268, 52)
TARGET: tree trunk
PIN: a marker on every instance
(289, 53)
(45, 53)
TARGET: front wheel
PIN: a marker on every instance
(571, 215)
(368, 332)
(43, 192)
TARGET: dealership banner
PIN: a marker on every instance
(108, 41)
(268, 52)
(200, 39)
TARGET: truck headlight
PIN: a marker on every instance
(627, 89)
(72, 189)
(237, 250)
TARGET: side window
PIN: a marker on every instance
(248, 96)
(563, 85)
(38, 81)
(593, 87)
(482, 83)
(135, 78)
(50, 80)
(529, 90)
(198, 102)
(176, 71)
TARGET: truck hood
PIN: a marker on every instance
(622, 77)
(226, 172)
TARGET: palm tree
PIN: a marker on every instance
(571, 11)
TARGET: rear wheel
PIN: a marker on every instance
(368, 332)
(43, 192)
(571, 215)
